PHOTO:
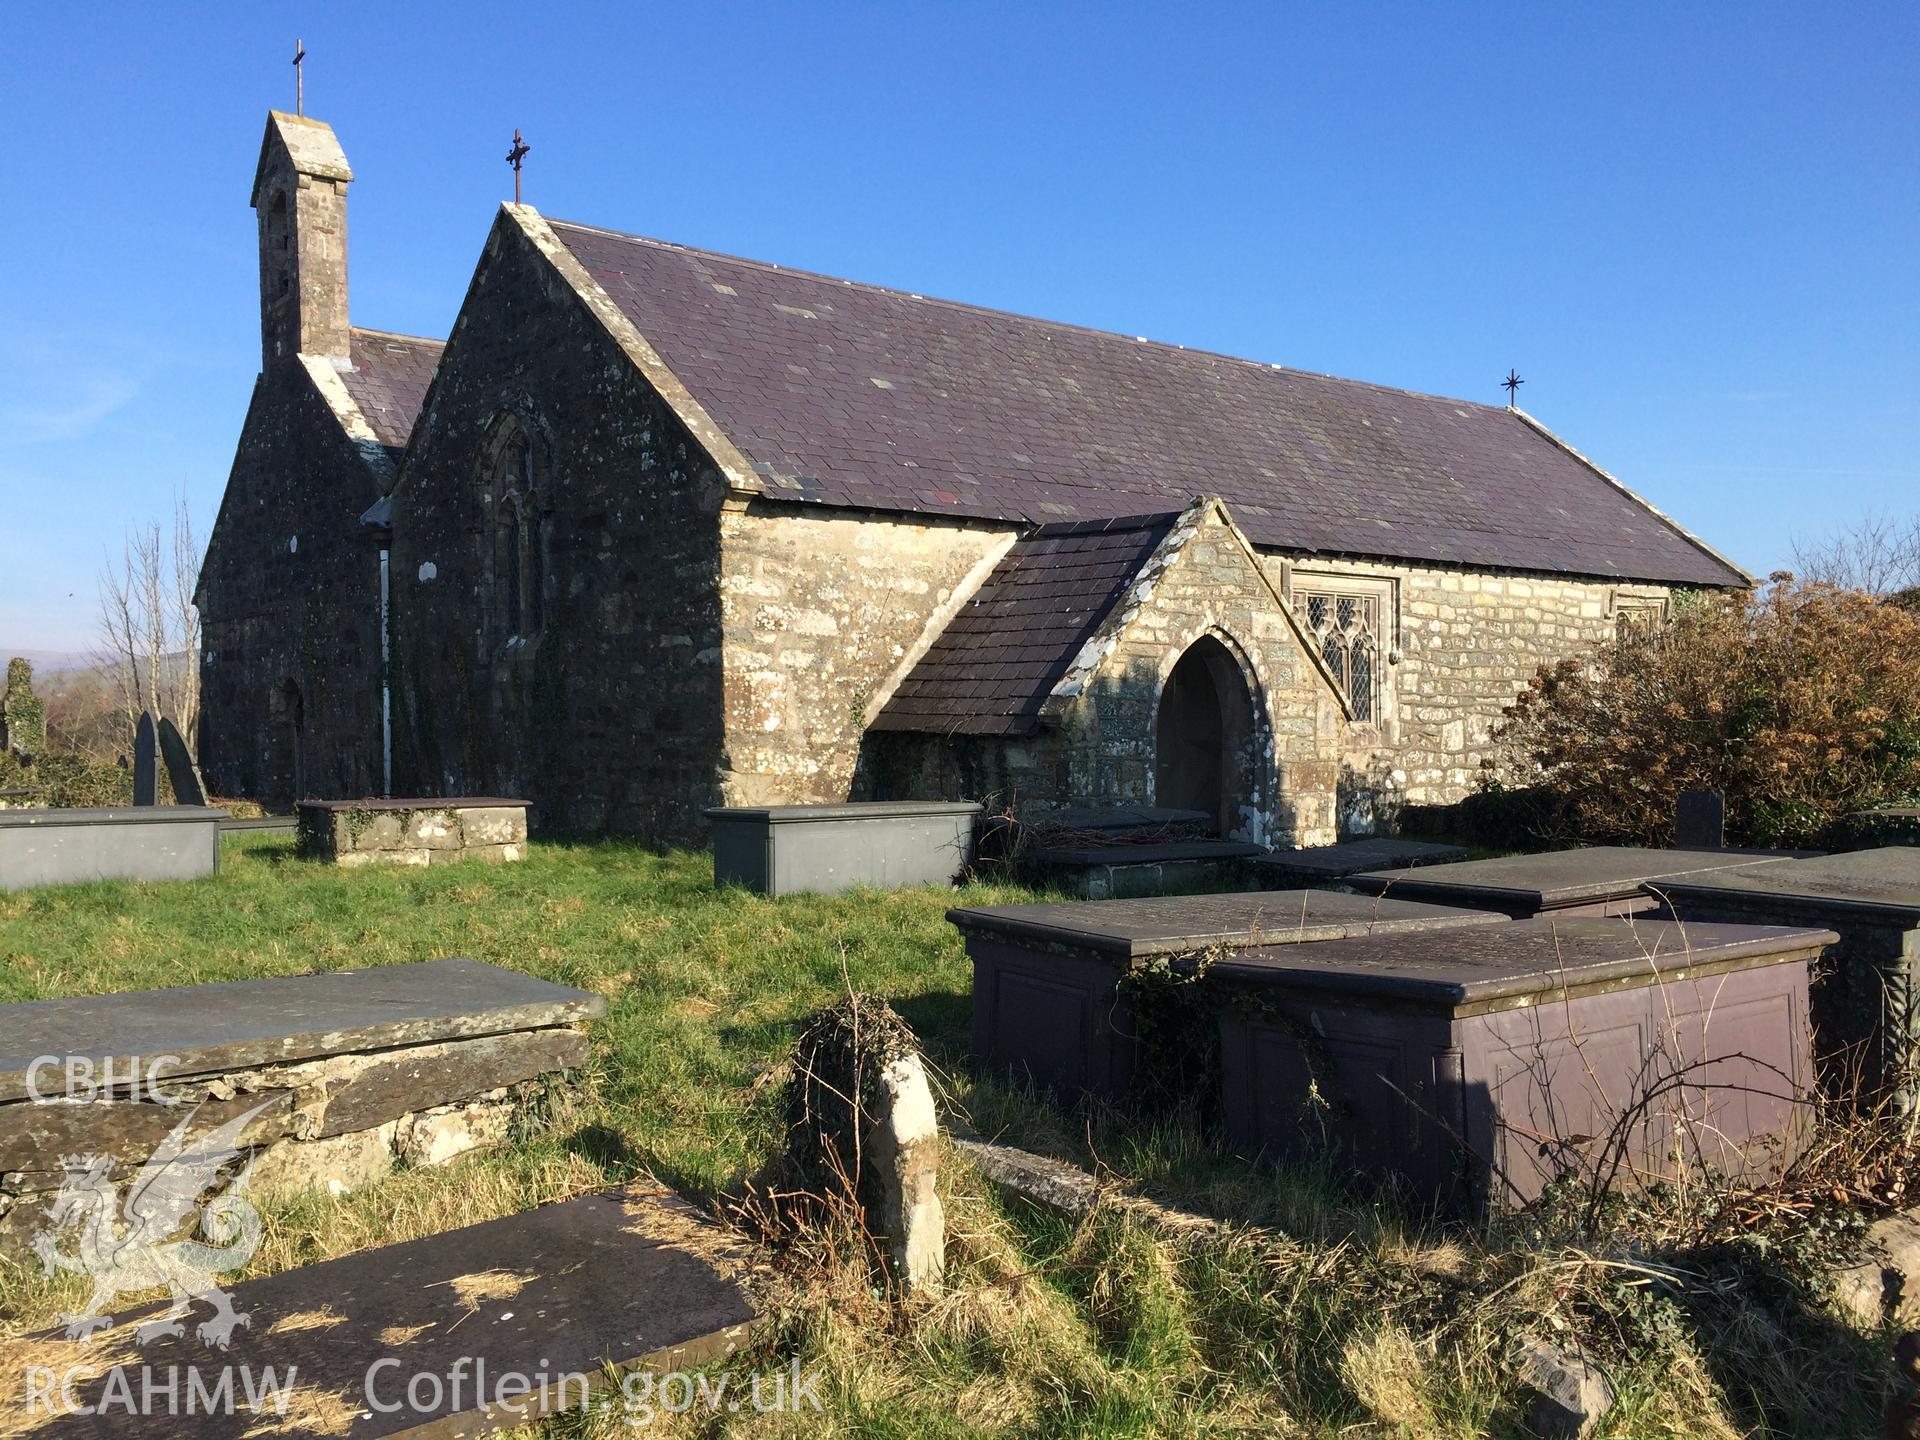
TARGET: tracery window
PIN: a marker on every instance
(519, 535)
(1635, 616)
(1348, 628)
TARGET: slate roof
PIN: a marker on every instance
(848, 394)
(389, 381)
(1003, 653)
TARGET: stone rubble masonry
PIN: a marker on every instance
(420, 832)
(289, 602)
(335, 1123)
(610, 718)
(1467, 644)
(820, 612)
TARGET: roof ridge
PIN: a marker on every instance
(395, 335)
(979, 309)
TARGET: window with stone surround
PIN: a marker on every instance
(517, 561)
(1350, 621)
(1638, 613)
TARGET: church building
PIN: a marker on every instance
(657, 529)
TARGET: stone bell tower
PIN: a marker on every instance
(300, 195)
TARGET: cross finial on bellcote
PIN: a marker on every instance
(299, 77)
(514, 158)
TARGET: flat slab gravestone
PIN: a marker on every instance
(1470, 1064)
(140, 842)
(1332, 864)
(1046, 978)
(825, 849)
(1866, 1028)
(459, 1334)
(1600, 880)
(351, 1072)
(417, 831)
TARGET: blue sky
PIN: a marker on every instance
(1694, 229)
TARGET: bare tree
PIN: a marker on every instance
(1880, 554)
(149, 630)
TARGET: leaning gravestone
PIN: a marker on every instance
(188, 788)
(146, 762)
(1700, 820)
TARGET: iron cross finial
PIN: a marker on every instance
(1512, 385)
(514, 157)
(299, 77)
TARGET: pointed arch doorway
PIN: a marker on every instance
(1203, 736)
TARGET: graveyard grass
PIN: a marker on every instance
(1337, 1317)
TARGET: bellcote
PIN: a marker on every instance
(300, 197)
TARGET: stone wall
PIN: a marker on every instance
(608, 718)
(1467, 643)
(290, 604)
(822, 610)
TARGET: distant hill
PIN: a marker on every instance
(48, 662)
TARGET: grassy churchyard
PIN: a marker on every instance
(1319, 1311)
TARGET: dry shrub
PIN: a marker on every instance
(1801, 704)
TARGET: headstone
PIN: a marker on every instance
(1700, 820)
(906, 1145)
(146, 762)
(188, 788)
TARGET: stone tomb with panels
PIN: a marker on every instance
(1472, 1065)
(1864, 994)
(1600, 880)
(328, 1080)
(1047, 1002)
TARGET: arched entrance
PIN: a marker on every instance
(1203, 736)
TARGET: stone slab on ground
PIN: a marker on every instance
(633, 1278)
(237, 1024)
(1327, 864)
(1602, 879)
